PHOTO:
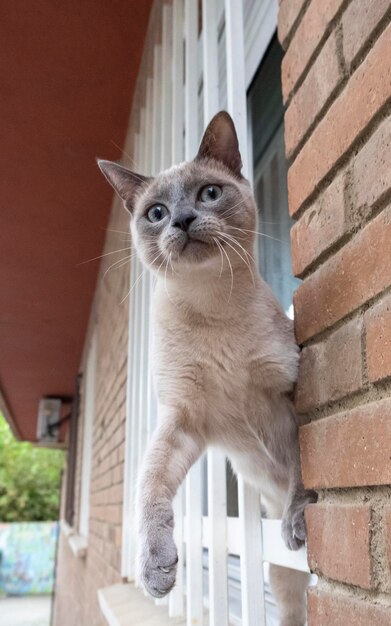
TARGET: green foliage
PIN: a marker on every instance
(29, 479)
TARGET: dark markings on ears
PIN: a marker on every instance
(220, 142)
(124, 182)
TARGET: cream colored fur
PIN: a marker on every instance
(224, 359)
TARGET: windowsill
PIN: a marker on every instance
(124, 605)
(77, 543)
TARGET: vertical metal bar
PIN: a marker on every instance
(210, 59)
(194, 584)
(217, 496)
(166, 86)
(251, 563)
(236, 82)
(217, 515)
(176, 599)
(131, 456)
(140, 295)
(191, 79)
(145, 280)
(177, 82)
(155, 168)
(166, 98)
(194, 605)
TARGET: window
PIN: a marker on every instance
(88, 422)
(72, 456)
(270, 177)
(214, 515)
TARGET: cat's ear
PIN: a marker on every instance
(220, 142)
(125, 182)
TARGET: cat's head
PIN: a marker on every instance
(192, 213)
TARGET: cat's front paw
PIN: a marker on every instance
(158, 564)
(293, 528)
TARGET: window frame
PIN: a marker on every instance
(88, 422)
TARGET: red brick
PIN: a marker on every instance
(358, 272)
(322, 79)
(287, 15)
(321, 226)
(347, 559)
(358, 22)
(351, 449)
(367, 91)
(337, 609)
(372, 169)
(378, 339)
(308, 36)
(331, 369)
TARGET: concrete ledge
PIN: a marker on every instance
(65, 528)
(124, 605)
(77, 543)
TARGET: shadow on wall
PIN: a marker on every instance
(27, 557)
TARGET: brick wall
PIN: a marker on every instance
(337, 88)
(78, 579)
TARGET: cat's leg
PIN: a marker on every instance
(288, 585)
(289, 588)
(293, 523)
(170, 455)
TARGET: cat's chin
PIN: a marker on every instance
(195, 250)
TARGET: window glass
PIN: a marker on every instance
(270, 178)
(266, 116)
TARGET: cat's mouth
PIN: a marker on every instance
(195, 248)
(195, 240)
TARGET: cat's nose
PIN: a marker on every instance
(183, 220)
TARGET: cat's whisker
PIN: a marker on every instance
(246, 252)
(116, 263)
(232, 274)
(164, 258)
(235, 205)
(246, 230)
(165, 277)
(172, 267)
(131, 159)
(113, 230)
(221, 255)
(103, 255)
(245, 261)
(133, 286)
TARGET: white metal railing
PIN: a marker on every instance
(165, 130)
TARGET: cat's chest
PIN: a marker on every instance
(203, 365)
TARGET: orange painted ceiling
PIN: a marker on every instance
(67, 75)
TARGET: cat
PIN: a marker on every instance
(225, 359)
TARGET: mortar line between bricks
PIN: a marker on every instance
(373, 37)
(377, 499)
(318, 117)
(346, 75)
(332, 249)
(354, 495)
(286, 42)
(365, 377)
(361, 138)
(373, 392)
(316, 51)
(326, 332)
(335, 587)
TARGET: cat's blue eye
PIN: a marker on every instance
(210, 193)
(156, 213)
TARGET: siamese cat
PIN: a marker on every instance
(225, 359)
